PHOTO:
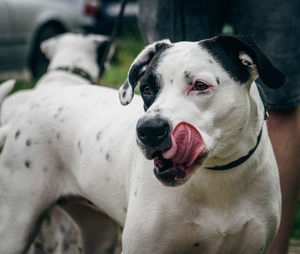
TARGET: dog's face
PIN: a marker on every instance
(75, 50)
(196, 100)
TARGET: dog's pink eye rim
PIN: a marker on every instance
(199, 86)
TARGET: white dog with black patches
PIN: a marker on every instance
(200, 124)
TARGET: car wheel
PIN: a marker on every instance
(39, 63)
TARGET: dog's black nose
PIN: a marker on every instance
(153, 131)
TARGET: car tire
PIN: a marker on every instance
(38, 62)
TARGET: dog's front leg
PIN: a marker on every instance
(148, 229)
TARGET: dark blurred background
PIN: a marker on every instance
(25, 24)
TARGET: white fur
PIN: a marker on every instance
(83, 144)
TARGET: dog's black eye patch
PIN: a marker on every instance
(149, 88)
(146, 90)
(148, 93)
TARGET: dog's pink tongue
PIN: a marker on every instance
(187, 145)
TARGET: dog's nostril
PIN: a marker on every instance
(142, 135)
(160, 133)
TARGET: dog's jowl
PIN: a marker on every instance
(187, 167)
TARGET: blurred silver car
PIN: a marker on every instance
(24, 24)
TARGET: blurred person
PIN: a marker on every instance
(275, 26)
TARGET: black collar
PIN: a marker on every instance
(241, 160)
(80, 72)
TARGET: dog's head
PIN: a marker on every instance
(76, 51)
(197, 101)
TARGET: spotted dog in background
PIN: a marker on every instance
(187, 167)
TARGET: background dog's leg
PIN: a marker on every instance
(20, 223)
(99, 232)
(25, 196)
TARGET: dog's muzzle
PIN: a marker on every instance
(154, 135)
(176, 153)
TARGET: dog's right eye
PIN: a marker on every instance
(200, 86)
(147, 90)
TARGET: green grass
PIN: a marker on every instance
(296, 229)
(23, 84)
(127, 48)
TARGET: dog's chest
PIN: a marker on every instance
(228, 232)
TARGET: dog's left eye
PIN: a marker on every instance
(200, 86)
(146, 90)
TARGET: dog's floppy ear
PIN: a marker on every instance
(138, 67)
(243, 60)
(98, 38)
(48, 46)
(102, 42)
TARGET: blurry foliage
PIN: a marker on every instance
(128, 45)
(296, 229)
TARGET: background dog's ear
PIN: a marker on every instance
(102, 42)
(101, 46)
(138, 67)
(48, 46)
(243, 60)
(98, 38)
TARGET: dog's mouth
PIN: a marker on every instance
(188, 151)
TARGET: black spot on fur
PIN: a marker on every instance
(59, 110)
(218, 80)
(58, 136)
(210, 61)
(45, 168)
(28, 164)
(98, 135)
(196, 244)
(79, 147)
(172, 81)
(34, 105)
(17, 134)
(124, 94)
(28, 142)
(136, 192)
(188, 77)
(126, 85)
(108, 156)
(125, 210)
